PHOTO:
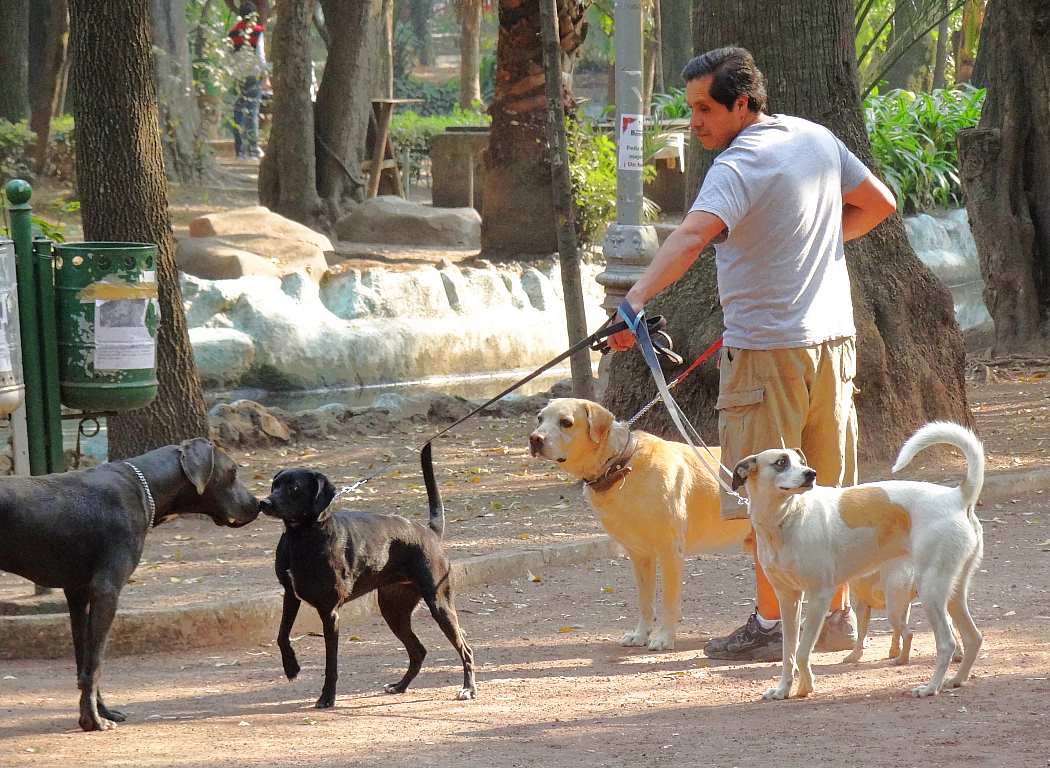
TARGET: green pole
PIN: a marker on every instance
(18, 193)
(45, 281)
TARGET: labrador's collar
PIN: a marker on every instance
(617, 469)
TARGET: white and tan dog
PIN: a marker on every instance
(811, 538)
(653, 496)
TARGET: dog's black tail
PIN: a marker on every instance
(437, 509)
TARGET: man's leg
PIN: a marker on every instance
(763, 397)
(829, 441)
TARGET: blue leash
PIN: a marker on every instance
(636, 324)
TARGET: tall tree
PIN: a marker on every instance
(343, 104)
(1005, 169)
(14, 61)
(517, 163)
(912, 71)
(123, 196)
(288, 173)
(469, 12)
(51, 71)
(420, 12)
(185, 153)
(676, 43)
(910, 349)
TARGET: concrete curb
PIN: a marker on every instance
(1007, 485)
(247, 621)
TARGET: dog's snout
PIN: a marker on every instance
(265, 506)
(810, 475)
(535, 443)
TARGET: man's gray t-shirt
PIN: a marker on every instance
(782, 276)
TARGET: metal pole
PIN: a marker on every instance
(45, 280)
(629, 246)
(18, 194)
(568, 251)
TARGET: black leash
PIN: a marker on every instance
(596, 341)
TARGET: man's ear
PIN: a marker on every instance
(599, 421)
(802, 456)
(325, 493)
(743, 470)
(197, 459)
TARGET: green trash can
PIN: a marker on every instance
(107, 316)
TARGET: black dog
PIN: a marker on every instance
(84, 532)
(328, 559)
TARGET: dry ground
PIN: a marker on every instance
(555, 688)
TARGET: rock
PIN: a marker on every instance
(257, 220)
(223, 355)
(245, 423)
(538, 288)
(449, 408)
(403, 406)
(393, 220)
(357, 294)
(233, 256)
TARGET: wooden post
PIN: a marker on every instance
(568, 253)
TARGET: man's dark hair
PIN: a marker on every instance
(735, 74)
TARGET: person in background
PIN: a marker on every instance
(249, 72)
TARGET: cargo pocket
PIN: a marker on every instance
(848, 372)
(735, 414)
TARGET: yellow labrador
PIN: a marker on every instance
(654, 497)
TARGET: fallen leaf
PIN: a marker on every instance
(566, 630)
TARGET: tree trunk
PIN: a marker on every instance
(966, 39)
(420, 12)
(470, 53)
(651, 68)
(910, 350)
(288, 172)
(676, 44)
(185, 153)
(123, 196)
(912, 70)
(518, 201)
(940, 57)
(47, 95)
(14, 61)
(344, 100)
(1005, 169)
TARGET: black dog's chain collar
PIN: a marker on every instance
(151, 506)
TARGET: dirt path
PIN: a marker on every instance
(556, 690)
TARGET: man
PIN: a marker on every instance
(778, 202)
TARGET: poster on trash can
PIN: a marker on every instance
(122, 338)
(630, 142)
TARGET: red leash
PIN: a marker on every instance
(679, 378)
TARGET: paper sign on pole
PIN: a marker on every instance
(630, 142)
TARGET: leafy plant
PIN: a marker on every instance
(912, 137)
(437, 99)
(670, 105)
(15, 143)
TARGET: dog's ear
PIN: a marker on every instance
(197, 458)
(599, 421)
(277, 477)
(802, 456)
(325, 493)
(743, 470)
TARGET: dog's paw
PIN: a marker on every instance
(854, 657)
(326, 701)
(96, 723)
(957, 656)
(923, 691)
(111, 714)
(467, 694)
(635, 639)
(661, 640)
(957, 681)
(292, 669)
(805, 688)
(777, 693)
(395, 688)
(900, 660)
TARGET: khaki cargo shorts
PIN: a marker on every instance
(791, 398)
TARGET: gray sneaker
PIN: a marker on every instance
(839, 632)
(748, 643)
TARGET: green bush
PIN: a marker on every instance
(16, 141)
(437, 99)
(670, 105)
(913, 141)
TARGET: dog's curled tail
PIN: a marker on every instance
(947, 432)
(437, 509)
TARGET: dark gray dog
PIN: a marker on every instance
(330, 558)
(84, 532)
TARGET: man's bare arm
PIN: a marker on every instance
(675, 256)
(865, 206)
